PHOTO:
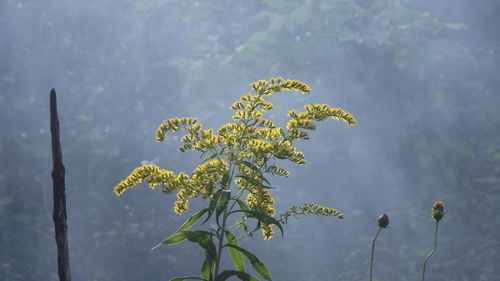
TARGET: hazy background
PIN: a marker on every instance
(421, 77)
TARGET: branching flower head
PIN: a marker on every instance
(246, 146)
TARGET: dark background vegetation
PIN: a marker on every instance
(422, 78)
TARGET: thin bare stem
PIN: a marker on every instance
(432, 252)
(373, 251)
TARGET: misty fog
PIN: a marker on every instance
(422, 79)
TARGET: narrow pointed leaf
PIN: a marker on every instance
(254, 181)
(235, 255)
(261, 217)
(203, 238)
(210, 157)
(225, 180)
(191, 220)
(222, 204)
(206, 268)
(242, 205)
(212, 205)
(241, 275)
(257, 265)
(255, 169)
(172, 239)
(207, 171)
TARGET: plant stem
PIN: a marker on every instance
(221, 240)
(433, 250)
(373, 251)
(226, 188)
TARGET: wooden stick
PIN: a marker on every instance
(59, 215)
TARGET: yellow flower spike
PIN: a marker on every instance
(259, 146)
(277, 170)
(246, 97)
(293, 114)
(219, 165)
(295, 85)
(267, 232)
(298, 158)
(260, 199)
(267, 123)
(237, 105)
(240, 115)
(173, 124)
(297, 134)
(150, 174)
(271, 134)
(181, 206)
(320, 112)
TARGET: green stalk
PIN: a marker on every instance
(221, 240)
(433, 250)
(373, 251)
(224, 219)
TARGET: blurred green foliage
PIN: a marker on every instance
(421, 78)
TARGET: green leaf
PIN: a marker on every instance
(191, 220)
(211, 157)
(261, 217)
(242, 205)
(235, 255)
(212, 205)
(255, 169)
(253, 181)
(282, 132)
(222, 204)
(257, 265)
(172, 239)
(225, 180)
(203, 238)
(187, 278)
(241, 275)
(207, 267)
(207, 171)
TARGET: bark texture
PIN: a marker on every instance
(59, 215)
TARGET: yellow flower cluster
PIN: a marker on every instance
(300, 123)
(203, 181)
(181, 205)
(260, 199)
(316, 112)
(277, 84)
(285, 150)
(250, 139)
(310, 209)
(267, 231)
(260, 148)
(241, 115)
(206, 175)
(150, 174)
(320, 112)
(267, 123)
(271, 134)
(173, 124)
(277, 170)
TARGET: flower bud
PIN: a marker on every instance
(383, 220)
(438, 210)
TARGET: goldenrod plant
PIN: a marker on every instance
(437, 213)
(232, 176)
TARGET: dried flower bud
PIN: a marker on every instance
(383, 220)
(438, 210)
